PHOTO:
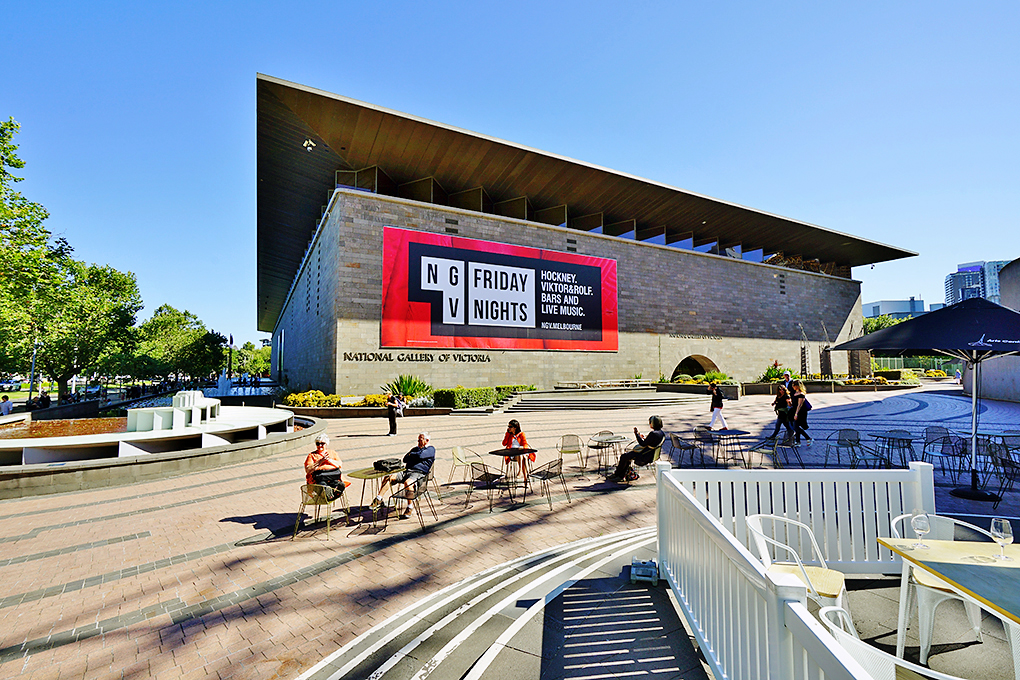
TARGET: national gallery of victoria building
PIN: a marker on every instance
(389, 244)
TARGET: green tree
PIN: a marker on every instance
(32, 261)
(251, 360)
(94, 316)
(180, 344)
(879, 322)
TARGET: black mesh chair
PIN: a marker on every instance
(548, 472)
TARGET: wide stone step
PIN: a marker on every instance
(603, 403)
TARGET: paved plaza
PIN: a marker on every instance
(197, 577)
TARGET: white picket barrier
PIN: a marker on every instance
(748, 624)
(847, 510)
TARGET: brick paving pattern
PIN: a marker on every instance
(196, 576)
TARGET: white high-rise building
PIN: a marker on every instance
(974, 279)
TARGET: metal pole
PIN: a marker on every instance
(973, 425)
(31, 379)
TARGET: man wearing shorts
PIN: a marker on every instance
(417, 463)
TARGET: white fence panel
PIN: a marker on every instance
(747, 625)
(847, 510)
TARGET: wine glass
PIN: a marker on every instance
(921, 526)
(1002, 532)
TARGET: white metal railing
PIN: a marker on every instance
(847, 510)
(749, 624)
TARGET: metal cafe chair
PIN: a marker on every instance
(602, 449)
(321, 496)
(488, 478)
(680, 446)
(571, 444)
(825, 586)
(948, 449)
(415, 494)
(462, 458)
(548, 472)
(846, 439)
(930, 591)
(705, 439)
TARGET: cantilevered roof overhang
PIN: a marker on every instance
(294, 184)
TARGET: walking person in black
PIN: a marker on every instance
(781, 405)
(800, 409)
(392, 404)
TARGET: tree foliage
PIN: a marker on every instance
(879, 322)
(179, 344)
(94, 316)
(251, 360)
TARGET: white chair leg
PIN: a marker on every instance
(974, 616)
(927, 601)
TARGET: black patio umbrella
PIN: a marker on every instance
(974, 330)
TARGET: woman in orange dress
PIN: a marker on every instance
(515, 439)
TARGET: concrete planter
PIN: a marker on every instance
(360, 411)
(814, 387)
(18, 481)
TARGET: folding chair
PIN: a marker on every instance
(319, 496)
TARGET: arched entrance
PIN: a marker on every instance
(695, 364)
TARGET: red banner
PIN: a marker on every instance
(446, 291)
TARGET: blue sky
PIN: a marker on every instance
(895, 122)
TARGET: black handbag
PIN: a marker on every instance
(387, 464)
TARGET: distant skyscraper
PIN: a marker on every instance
(974, 279)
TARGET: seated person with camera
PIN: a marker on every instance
(417, 463)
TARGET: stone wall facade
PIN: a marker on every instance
(1000, 378)
(737, 316)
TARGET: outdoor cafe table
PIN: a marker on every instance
(366, 474)
(729, 442)
(969, 567)
(511, 468)
(606, 442)
(888, 444)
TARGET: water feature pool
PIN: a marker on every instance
(62, 428)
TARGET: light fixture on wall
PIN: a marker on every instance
(309, 145)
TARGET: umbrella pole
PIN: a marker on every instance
(972, 492)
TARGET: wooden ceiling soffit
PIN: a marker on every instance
(683, 239)
(346, 178)
(621, 228)
(653, 234)
(426, 190)
(517, 208)
(476, 199)
(376, 180)
(700, 241)
(556, 216)
(586, 222)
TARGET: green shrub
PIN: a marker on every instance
(700, 378)
(716, 377)
(682, 377)
(465, 397)
(774, 373)
(504, 391)
(409, 386)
